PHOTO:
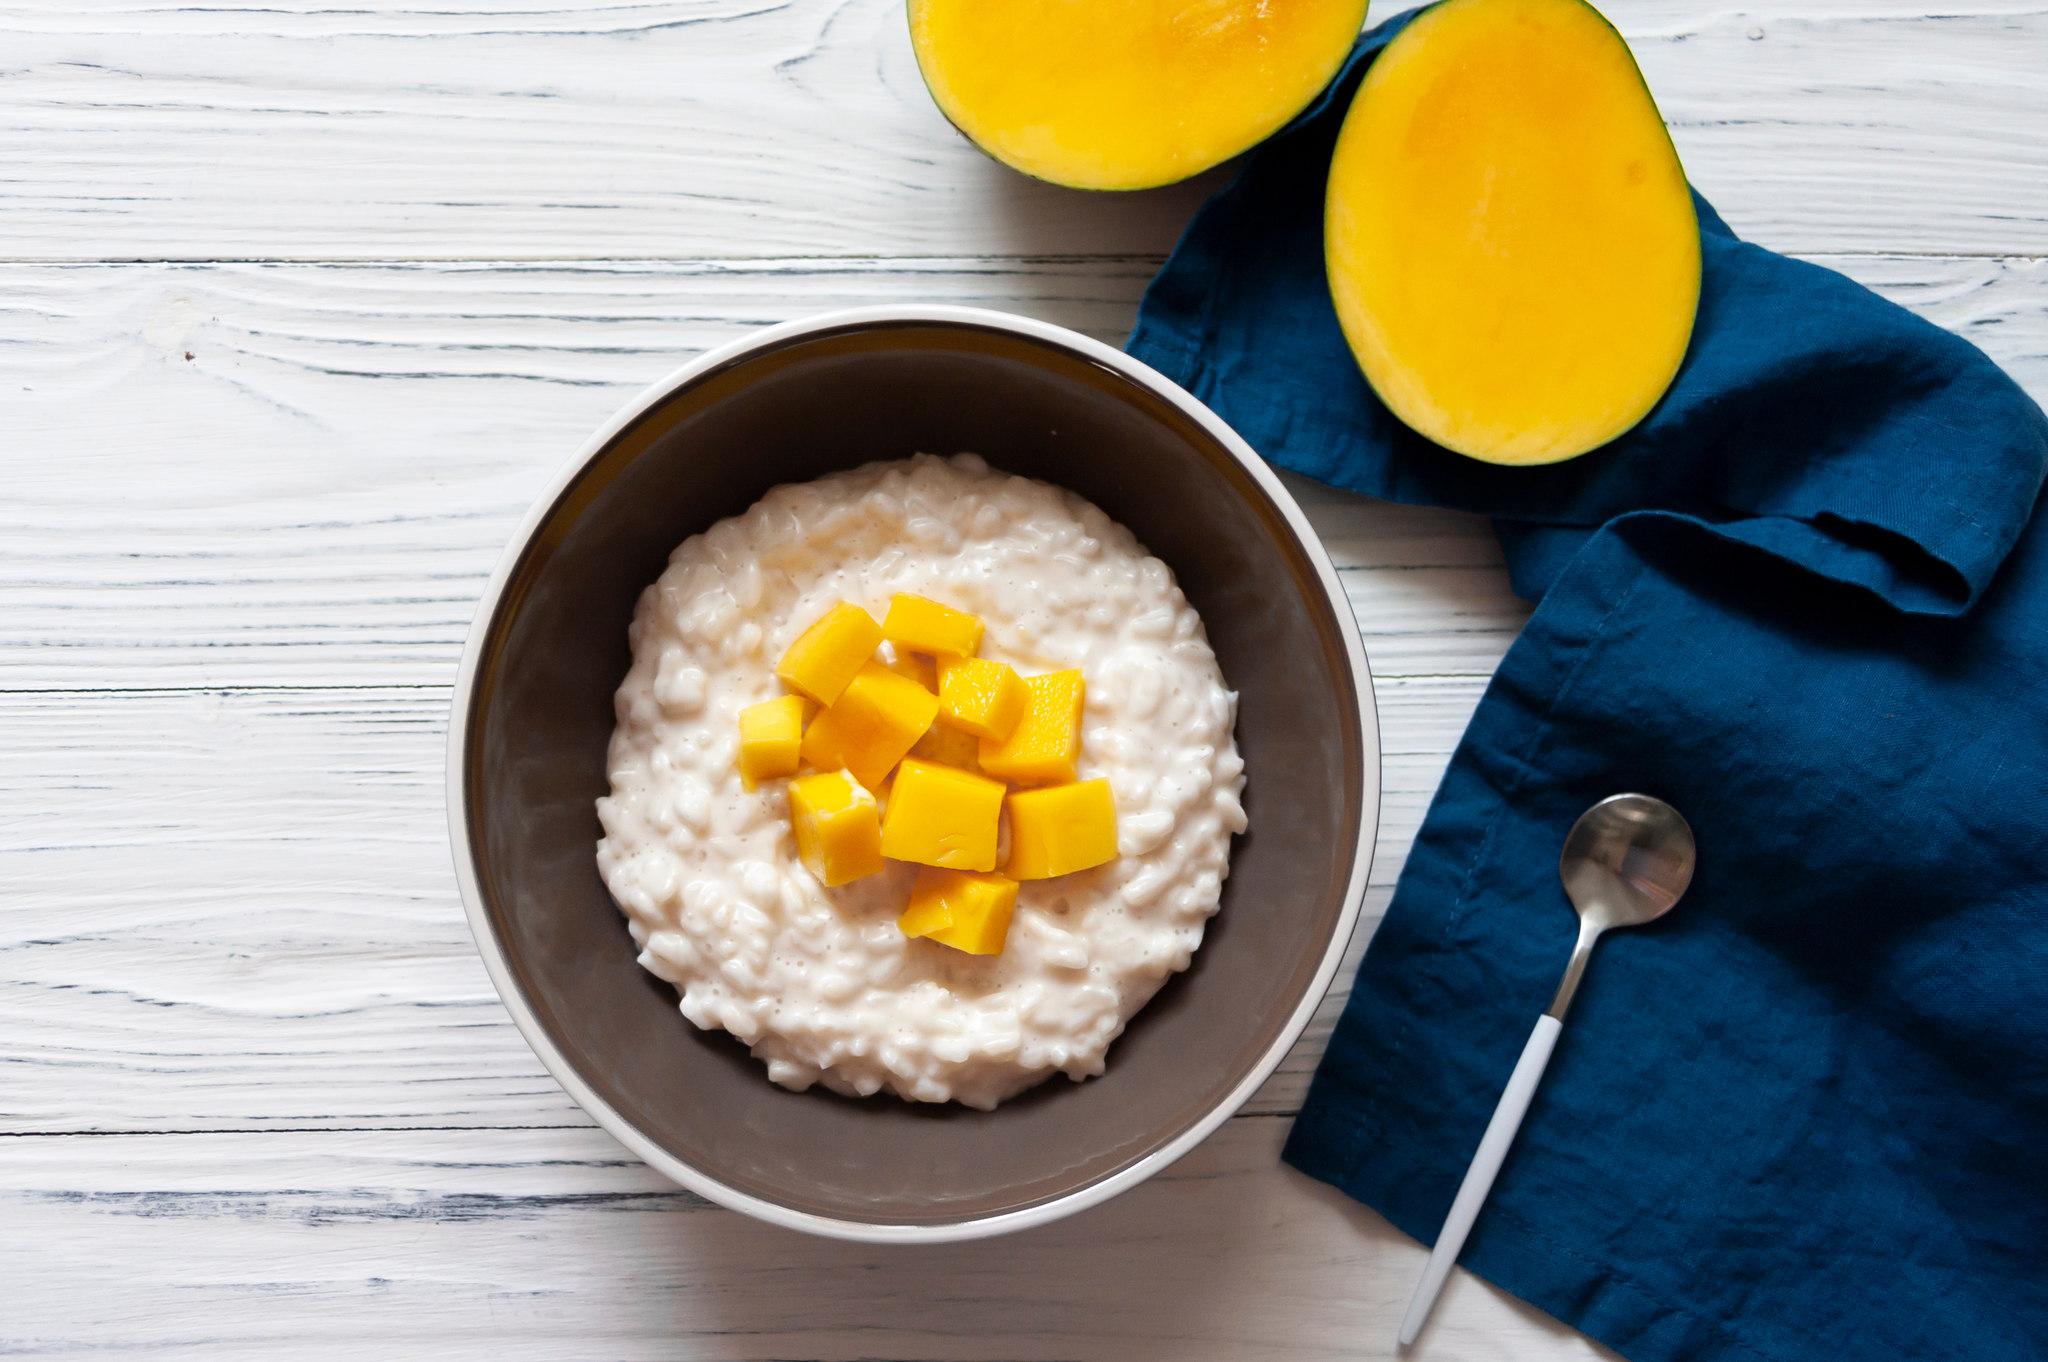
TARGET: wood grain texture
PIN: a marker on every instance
(317, 495)
(556, 1245)
(400, 129)
(235, 910)
(300, 304)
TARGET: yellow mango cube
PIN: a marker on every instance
(925, 626)
(981, 697)
(829, 654)
(949, 747)
(941, 816)
(838, 827)
(867, 730)
(916, 666)
(1042, 748)
(967, 911)
(1061, 829)
(771, 739)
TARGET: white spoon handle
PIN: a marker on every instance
(1493, 1149)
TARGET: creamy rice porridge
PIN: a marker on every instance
(820, 982)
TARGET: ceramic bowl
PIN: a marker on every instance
(533, 712)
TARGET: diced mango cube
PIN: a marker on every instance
(829, 654)
(927, 910)
(1061, 829)
(1042, 748)
(916, 666)
(771, 739)
(925, 626)
(981, 697)
(949, 747)
(967, 911)
(838, 827)
(875, 720)
(941, 816)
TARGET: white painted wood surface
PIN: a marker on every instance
(300, 303)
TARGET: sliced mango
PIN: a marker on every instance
(916, 666)
(829, 654)
(1110, 94)
(980, 697)
(967, 911)
(1061, 829)
(949, 747)
(924, 626)
(867, 730)
(771, 739)
(1512, 248)
(838, 827)
(928, 910)
(1043, 747)
(942, 816)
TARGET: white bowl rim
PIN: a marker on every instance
(696, 1179)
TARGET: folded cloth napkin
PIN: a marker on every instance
(1805, 1116)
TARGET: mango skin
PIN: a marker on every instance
(1110, 95)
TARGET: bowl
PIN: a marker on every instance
(533, 712)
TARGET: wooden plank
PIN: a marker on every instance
(557, 1244)
(236, 910)
(394, 129)
(230, 905)
(318, 494)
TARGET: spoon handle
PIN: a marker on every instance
(1493, 1150)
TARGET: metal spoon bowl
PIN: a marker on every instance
(1626, 862)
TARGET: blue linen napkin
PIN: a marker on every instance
(1806, 1116)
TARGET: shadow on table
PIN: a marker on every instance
(1028, 217)
(1226, 1254)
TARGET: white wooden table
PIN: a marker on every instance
(300, 303)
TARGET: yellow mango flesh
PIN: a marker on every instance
(967, 911)
(927, 911)
(1511, 245)
(868, 729)
(918, 625)
(1109, 94)
(949, 747)
(837, 825)
(829, 654)
(916, 666)
(1061, 829)
(981, 697)
(941, 816)
(1046, 742)
(771, 739)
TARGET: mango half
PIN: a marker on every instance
(1109, 94)
(1511, 245)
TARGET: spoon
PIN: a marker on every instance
(1626, 862)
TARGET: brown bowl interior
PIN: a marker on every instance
(555, 649)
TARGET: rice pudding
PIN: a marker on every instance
(822, 983)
